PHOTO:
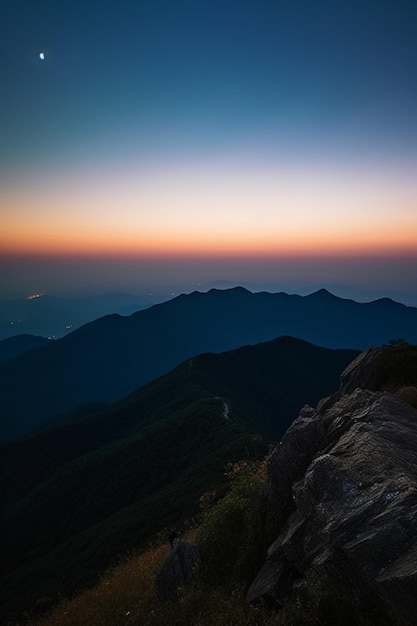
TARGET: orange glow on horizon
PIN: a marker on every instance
(215, 214)
(81, 243)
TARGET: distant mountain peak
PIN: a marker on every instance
(110, 357)
(323, 294)
(386, 302)
(235, 290)
(240, 289)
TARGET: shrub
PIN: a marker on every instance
(236, 532)
(397, 366)
(408, 394)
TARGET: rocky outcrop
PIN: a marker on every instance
(294, 453)
(348, 543)
(361, 373)
(178, 570)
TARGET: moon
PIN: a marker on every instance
(42, 56)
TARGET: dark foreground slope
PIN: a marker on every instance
(75, 497)
(338, 512)
(109, 358)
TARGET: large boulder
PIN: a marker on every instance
(178, 570)
(348, 545)
(291, 457)
(361, 373)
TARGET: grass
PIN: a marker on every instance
(124, 595)
(232, 536)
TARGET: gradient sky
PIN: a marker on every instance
(247, 140)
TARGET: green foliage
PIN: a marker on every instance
(397, 342)
(235, 533)
(267, 384)
(397, 365)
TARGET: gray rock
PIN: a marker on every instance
(274, 583)
(350, 545)
(178, 570)
(288, 462)
(361, 373)
(291, 457)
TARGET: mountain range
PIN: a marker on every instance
(56, 316)
(80, 493)
(108, 358)
(17, 345)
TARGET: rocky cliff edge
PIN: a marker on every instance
(344, 483)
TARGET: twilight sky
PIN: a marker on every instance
(187, 141)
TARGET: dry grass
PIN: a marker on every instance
(208, 606)
(126, 595)
(122, 598)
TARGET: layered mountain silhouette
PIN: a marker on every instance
(15, 346)
(110, 357)
(79, 494)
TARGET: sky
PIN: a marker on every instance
(183, 142)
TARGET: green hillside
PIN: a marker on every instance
(105, 360)
(76, 497)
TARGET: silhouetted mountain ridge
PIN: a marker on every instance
(55, 316)
(108, 358)
(15, 346)
(323, 294)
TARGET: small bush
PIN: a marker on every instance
(397, 366)
(236, 532)
(408, 394)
